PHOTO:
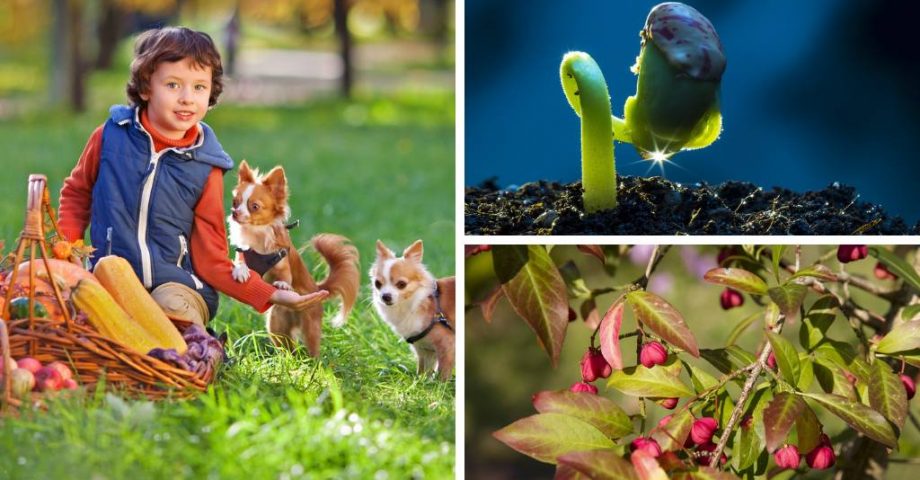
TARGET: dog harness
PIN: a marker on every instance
(263, 262)
(439, 318)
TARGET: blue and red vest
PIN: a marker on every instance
(144, 202)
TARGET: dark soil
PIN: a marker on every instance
(655, 206)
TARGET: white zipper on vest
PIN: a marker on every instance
(183, 251)
(146, 267)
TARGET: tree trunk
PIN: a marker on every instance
(232, 41)
(340, 13)
(862, 458)
(75, 31)
(109, 33)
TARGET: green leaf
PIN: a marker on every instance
(699, 378)
(508, 260)
(537, 293)
(723, 408)
(653, 382)
(846, 356)
(738, 279)
(747, 446)
(674, 433)
(818, 319)
(600, 412)
(896, 265)
(704, 473)
(741, 326)
(887, 394)
(727, 359)
(903, 337)
(806, 372)
(910, 311)
(787, 358)
(599, 465)
(663, 319)
(808, 429)
(776, 253)
(779, 416)
(832, 379)
(864, 419)
(546, 436)
(609, 335)
(818, 271)
(574, 281)
(789, 298)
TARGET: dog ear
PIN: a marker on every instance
(414, 252)
(245, 173)
(276, 182)
(383, 251)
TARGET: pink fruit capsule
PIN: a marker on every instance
(583, 387)
(821, 457)
(730, 299)
(787, 457)
(851, 253)
(703, 429)
(594, 366)
(652, 353)
(668, 403)
(909, 386)
(649, 445)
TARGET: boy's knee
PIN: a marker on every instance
(180, 301)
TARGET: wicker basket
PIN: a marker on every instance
(77, 343)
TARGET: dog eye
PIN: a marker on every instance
(400, 284)
(377, 284)
(255, 207)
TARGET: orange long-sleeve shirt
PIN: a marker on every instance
(208, 240)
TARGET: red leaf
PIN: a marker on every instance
(646, 466)
(488, 304)
(778, 418)
(609, 335)
(599, 465)
(594, 250)
(663, 319)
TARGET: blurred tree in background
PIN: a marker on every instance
(79, 36)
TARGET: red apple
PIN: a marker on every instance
(62, 368)
(70, 384)
(29, 364)
(47, 378)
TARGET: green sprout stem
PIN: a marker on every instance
(586, 91)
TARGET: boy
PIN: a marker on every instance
(149, 183)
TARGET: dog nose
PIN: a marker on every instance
(387, 298)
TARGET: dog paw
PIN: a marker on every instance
(240, 273)
(282, 285)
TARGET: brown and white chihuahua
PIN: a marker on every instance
(257, 229)
(417, 306)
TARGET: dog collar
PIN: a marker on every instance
(439, 318)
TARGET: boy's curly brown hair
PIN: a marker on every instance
(171, 44)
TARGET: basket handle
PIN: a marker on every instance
(33, 228)
(7, 365)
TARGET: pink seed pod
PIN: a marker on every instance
(668, 403)
(851, 253)
(771, 361)
(821, 457)
(703, 429)
(649, 445)
(787, 457)
(653, 353)
(664, 421)
(583, 387)
(594, 366)
(881, 272)
(687, 39)
(909, 386)
(730, 299)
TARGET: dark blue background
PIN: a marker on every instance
(815, 92)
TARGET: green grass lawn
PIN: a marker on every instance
(373, 168)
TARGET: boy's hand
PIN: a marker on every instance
(296, 301)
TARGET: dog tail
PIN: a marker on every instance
(343, 279)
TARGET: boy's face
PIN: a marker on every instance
(178, 97)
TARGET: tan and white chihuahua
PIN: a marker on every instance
(417, 306)
(258, 230)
